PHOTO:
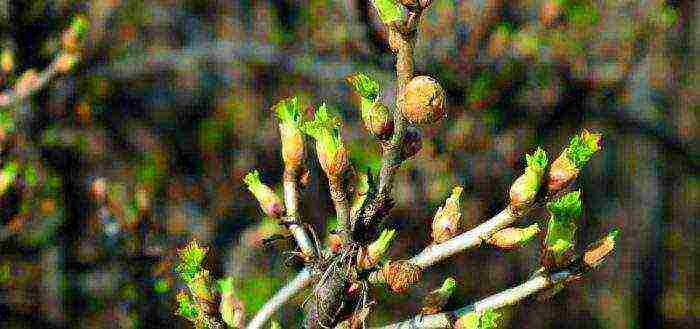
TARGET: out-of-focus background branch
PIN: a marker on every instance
(143, 146)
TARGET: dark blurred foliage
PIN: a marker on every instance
(110, 169)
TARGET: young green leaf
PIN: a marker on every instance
(389, 10)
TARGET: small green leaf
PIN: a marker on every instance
(225, 285)
(365, 86)
(489, 319)
(389, 10)
(582, 147)
(186, 306)
(566, 208)
(537, 161)
(289, 111)
(191, 258)
(325, 129)
(79, 25)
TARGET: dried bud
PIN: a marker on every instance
(335, 242)
(412, 143)
(332, 155)
(511, 237)
(438, 298)
(377, 249)
(567, 166)
(447, 221)
(561, 229)
(422, 101)
(268, 199)
(290, 115)
(401, 275)
(597, 252)
(525, 188)
(231, 308)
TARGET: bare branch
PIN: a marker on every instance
(470, 239)
(510, 296)
(301, 281)
(291, 204)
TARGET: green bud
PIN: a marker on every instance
(191, 258)
(365, 86)
(377, 249)
(7, 176)
(512, 237)
(525, 188)
(438, 298)
(561, 228)
(186, 306)
(270, 203)
(486, 319)
(567, 166)
(325, 129)
(597, 252)
(389, 10)
(582, 147)
(79, 25)
(289, 113)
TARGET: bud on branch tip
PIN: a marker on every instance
(325, 129)
(447, 220)
(525, 188)
(561, 228)
(289, 113)
(270, 203)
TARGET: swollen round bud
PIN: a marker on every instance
(422, 101)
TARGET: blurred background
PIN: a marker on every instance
(110, 169)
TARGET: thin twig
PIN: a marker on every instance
(13, 96)
(301, 281)
(291, 204)
(470, 239)
(510, 296)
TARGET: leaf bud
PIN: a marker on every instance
(377, 249)
(447, 221)
(270, 203)
(525, 188)
(289, 113)
(332, 154)
(511, 237)
(567, 166)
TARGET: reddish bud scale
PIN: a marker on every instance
(333, 164)
(401, 275)
(561, 174)
(422, 101)
(293, 151)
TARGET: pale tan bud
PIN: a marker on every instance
(423, 101)
(511, 237)
(447, 221)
